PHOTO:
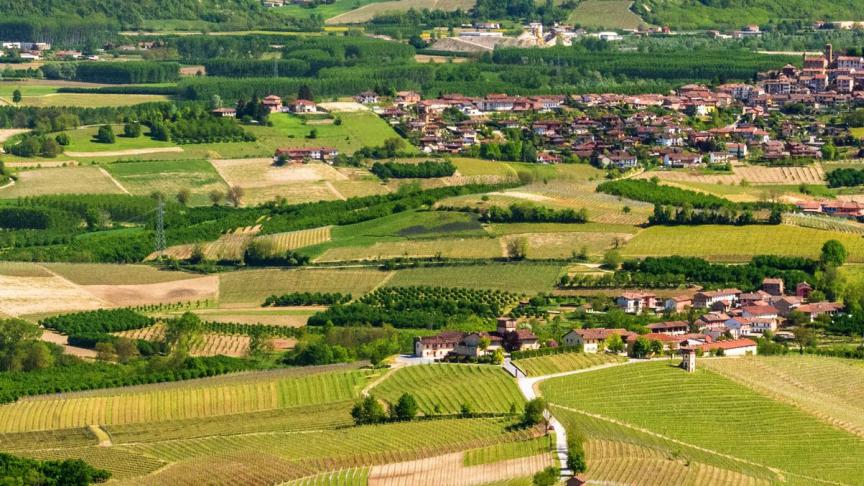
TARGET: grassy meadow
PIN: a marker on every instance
(169, 177)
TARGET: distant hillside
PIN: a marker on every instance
(696, 14)
(132, 12)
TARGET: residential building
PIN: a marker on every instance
(707, 299)
(594, 340)
(732, 347)
(324, 154)
(436, 347)
(671, 328)
(636, 302)
(773, 286)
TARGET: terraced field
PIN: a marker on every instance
(661, 401)
(547, 365)
(448, 386)
(738, 243)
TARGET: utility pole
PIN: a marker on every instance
(160, 227)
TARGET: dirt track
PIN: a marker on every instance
(121, 153)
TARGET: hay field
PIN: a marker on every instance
(738, 243)
(251, 287)
(367, 12)
(262, 181)
(61, 180)
(23, 295)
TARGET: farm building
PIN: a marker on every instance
(300, 155)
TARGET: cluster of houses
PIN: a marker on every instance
(274, 104)
(507, 337)
(825, 78)
(731, 312)
(608, 138)
(841, 209)
(28, 51)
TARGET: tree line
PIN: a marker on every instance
(424, 170)
(525, 213)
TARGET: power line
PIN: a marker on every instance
(160, 227)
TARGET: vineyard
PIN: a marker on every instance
(208, 344)
(178, 402)
(660, 398)
(521, 278)
(449, 386)
(738, 243)
(479, 248)
(825, 387)
(824, 223)
(228, 247)
(487, 303)
(557, 363)
(753, 174)
(253, 286)
(342, 477)
(273, 457)
(283, 242)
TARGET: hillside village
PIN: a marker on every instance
(722, 322)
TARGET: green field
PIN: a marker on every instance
(251, 287)
(82, 140)
(547, 365)
(527, 278)
(605, 14)
(738, 243)
(357, 130)
(410, 233)
(324, 11)
(169, 177)
(484, 388)
(684, 14)
(660, 398)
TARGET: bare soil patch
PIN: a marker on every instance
(448, 470)
(202, 288)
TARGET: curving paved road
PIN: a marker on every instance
(528, 387)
